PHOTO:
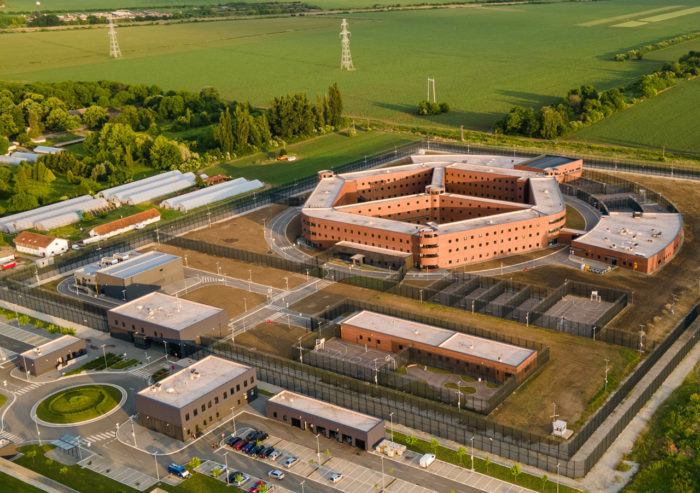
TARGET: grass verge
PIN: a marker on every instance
(114, 362)
(79, 404)
(484, 466)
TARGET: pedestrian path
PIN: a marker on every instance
(97, 437)
(27, 388)
(22, 335)
(10, 436)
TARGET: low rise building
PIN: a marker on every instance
(40, 245)
(51, 355)
(139, 275)
(161, 317)
(329, 420)
(192, 400)
(442, 347)
(123, 225)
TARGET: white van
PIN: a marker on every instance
(426, 460)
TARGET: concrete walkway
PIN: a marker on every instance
(33, 478)
(604, 476)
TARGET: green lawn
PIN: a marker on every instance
(667, 451)
(484, 59)
(664, 121)
(329, 151)
(3, 399)
(574, 219)
(10, 483)
(78, 404)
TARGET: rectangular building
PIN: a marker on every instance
(329, 420)
(161, 317)
(40, 245)
(188, 402)
(140, 275)
(442, 347)
(51, 355)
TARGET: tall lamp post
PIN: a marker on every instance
(391, 417)
(104, 355)
(558, 464)
(472, 453)
(155, 461)
(318, 450)
(226, 472)
(233, 419)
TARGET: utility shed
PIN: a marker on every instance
(51, 355)
(329, 420)
(139, 275)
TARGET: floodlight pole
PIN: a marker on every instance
(421, 296)
(38, 432)
(104, 355)
(606, 373)
(226, 459)
(472, 439)
(558, 464)
(165, 349)
(318, 450)
(250, 278)
(155, 460)
(391, 417)
(233, 419)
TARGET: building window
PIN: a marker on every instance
(209, 405)
(187, 417)
(238, 387)
(204, 407)
(274, 414)
(245, 383)
(195, 412)
(225, 394)
(231, 390)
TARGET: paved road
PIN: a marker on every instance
(67, 288)
(276, 236)
(590, 214)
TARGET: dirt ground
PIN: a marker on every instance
(273, 338)
(507, 261)
(652, 295)
(233, 300)
(244, 232)
(335, 293)
(268, 276)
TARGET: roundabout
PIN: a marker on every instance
(79, 404)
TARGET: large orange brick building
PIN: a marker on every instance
(445, 210)
(472, 354)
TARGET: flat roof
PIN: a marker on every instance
(548, 161)
(166, 311)
(139, 264)
(50, 347)
(326, 410)
(195, 381)
(466, 344)
(643, 236)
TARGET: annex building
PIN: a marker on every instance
(640, 241)
(160, 317)
(51, 355)
(331, 421)
(199, 396)
(443, 210)
(471, 354)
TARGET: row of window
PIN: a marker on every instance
(195, 411)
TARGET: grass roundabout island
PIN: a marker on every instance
(77, 404)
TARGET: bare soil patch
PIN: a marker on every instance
(268, 276)
(273, 338)
(231, 299)
(244, 232)
(335, 293)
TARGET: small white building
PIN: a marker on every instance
(40, 245)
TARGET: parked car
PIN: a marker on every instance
(256, 487)
(290, 461)
(75, 246)
(274, 454)
(232, 441)
(276, 474)
(335, 477)
(255, 449)
(238, 478)
(251, 435)
(426, 460)
(241, 444)
(265, 453)
(178, 470)
(247, 448)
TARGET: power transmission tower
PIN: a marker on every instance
(346, 57)
(431, 80)
(114, 50)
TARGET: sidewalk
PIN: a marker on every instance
(33, 478)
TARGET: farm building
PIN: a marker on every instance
(639, 241)
(149, 188)
(121, 226)
(30, 157)
(14, 161)
(54, 215)
(196, 398)
(161, 317)
(48, 150)
(49, 356)
(445, 211)
(209, 195)
(7, 254)
(40, 245)
(331, 421)
(472, 354)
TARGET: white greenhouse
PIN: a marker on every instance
(27, 219)
(57, 221)
(152, 180)
(148, 192)
(209, 195)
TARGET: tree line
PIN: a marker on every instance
(585, 105)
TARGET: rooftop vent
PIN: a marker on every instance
(170, 390)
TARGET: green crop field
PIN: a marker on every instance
(664, 121)
(484, 59)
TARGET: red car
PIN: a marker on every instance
(240, 444)
(257, 487)
(9, 265)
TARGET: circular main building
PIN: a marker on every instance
(443, 211)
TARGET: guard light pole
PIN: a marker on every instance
(165, 349)
(233, 419)
(382, 472)
(558, 464)
(250, 278)
(104, 355)
(472, 453)
(38, 432)
(302, 485)
(133, 433)
(226, 459)
(318, 450)
(391, 417)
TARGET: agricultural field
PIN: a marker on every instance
(476, 54)
(663, 121)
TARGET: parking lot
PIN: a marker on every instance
(355, 478)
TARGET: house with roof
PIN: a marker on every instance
(40, 245)
(123, 225)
